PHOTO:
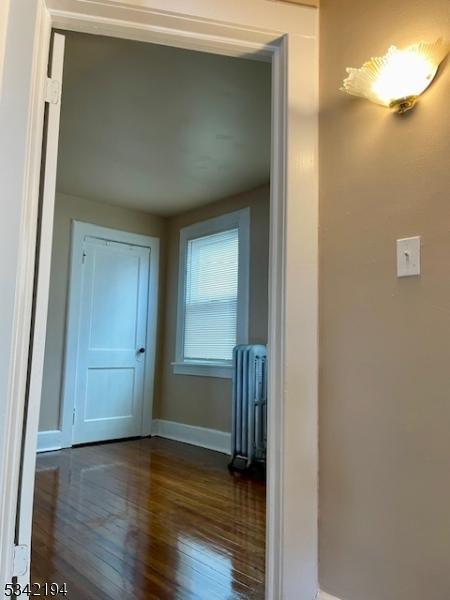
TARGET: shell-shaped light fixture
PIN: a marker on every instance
(399, 77)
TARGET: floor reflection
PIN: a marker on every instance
(151, 518)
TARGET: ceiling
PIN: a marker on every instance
(161, 129)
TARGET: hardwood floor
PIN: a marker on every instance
(149, 519)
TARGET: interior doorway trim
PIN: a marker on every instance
(286, 35)
(79, 231)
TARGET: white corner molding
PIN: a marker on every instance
(213, 439)
(49, 440)
(325, 596)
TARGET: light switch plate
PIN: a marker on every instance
(408, 257)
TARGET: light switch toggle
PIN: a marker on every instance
(408, 257)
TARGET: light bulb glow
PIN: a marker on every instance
(398, 77)
(406, 73)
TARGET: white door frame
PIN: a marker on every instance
(79, 231)
(288, 36)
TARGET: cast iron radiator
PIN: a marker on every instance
(249, 427)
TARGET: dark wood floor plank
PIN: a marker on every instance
(148, 519)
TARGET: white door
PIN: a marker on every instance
(42, 283)
(109, 388)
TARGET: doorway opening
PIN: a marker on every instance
(159, 270)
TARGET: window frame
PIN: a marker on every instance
(240, 220)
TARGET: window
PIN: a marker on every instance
(213, 294)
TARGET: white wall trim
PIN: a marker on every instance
(213, 439)
(24, 63)
(4, 9)
(287, 35)
(325, 596)
(239, 219)
(222, 371)
(49, 440)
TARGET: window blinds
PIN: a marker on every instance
(211, 295)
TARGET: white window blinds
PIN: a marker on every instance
(211, 296)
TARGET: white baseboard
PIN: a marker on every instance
(220, 441)
(49, 440)
(325, 596)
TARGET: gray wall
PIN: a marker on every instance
(66, 209)
(193, 127)
(206, 401)
(384, 342)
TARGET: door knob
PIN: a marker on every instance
(141, 350)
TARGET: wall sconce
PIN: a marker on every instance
(399, 77)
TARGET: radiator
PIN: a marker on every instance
(249, 427)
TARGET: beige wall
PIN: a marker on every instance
(301, 2)
(385, 342)
(66, 209)
(201, 401)
(206, 401)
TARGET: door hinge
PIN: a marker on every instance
(73, 417)
(52, 91)
(21, 560)
(83, 258)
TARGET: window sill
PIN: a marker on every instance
(203, 369)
